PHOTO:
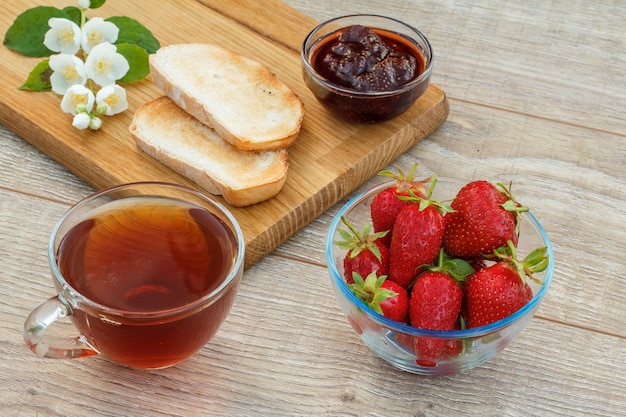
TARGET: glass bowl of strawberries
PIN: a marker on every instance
(438, 275)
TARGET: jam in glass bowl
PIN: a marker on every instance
(366, 68)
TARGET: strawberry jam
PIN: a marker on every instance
(367, 59)
(357, 60)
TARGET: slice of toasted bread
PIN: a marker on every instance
(239, 97)
(170, 135)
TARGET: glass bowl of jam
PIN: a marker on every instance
(366, 68)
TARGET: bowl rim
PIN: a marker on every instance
(305, 53)
(475, 332)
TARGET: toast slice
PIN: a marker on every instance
(176, 139)
(239, 97)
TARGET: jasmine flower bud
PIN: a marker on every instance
(95, 123)
(81, 121)
(84, 4)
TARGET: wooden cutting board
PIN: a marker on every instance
(329, 160)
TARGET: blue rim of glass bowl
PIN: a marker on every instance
(414, 331)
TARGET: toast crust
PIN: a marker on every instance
(176, 139)
(240, 98)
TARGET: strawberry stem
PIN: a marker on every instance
(359, 241)
(536, 261)
(426, 201)
(399, 177)
(458, 269)
(512, 204)
(404, 182)
(369, 290)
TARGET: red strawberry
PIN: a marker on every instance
(416, 239)
(435, 304)
(435, 301)
(499, 290)
(354, 322)
(386, 205)
(366, 252)
(484, 219)
(396, 308)
(382, 295)
(454, 347)
(451, 349)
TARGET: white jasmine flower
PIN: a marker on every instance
(105, 66)
(63, 36)
(97, 31)
(95, 123)
(113, 98)
(81, 121)
(68, 70)
(78, 100)
(84, 4)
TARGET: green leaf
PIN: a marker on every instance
(134, 33)
(27, 33)
(74, 14)
(39, 78)
(94, 4)
(458, 268)
(537, 260)
(36, 329)
(137, 58)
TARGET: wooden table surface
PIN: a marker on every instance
(537, 95)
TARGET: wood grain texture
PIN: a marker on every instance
(553, 60)
(543, 108)
(329, 159)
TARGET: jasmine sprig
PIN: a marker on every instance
(86, 58)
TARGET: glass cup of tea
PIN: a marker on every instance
(147, 272)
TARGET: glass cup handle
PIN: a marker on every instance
(47, 345)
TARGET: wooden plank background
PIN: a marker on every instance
(537, 95)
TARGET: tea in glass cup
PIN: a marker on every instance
(147, 272)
